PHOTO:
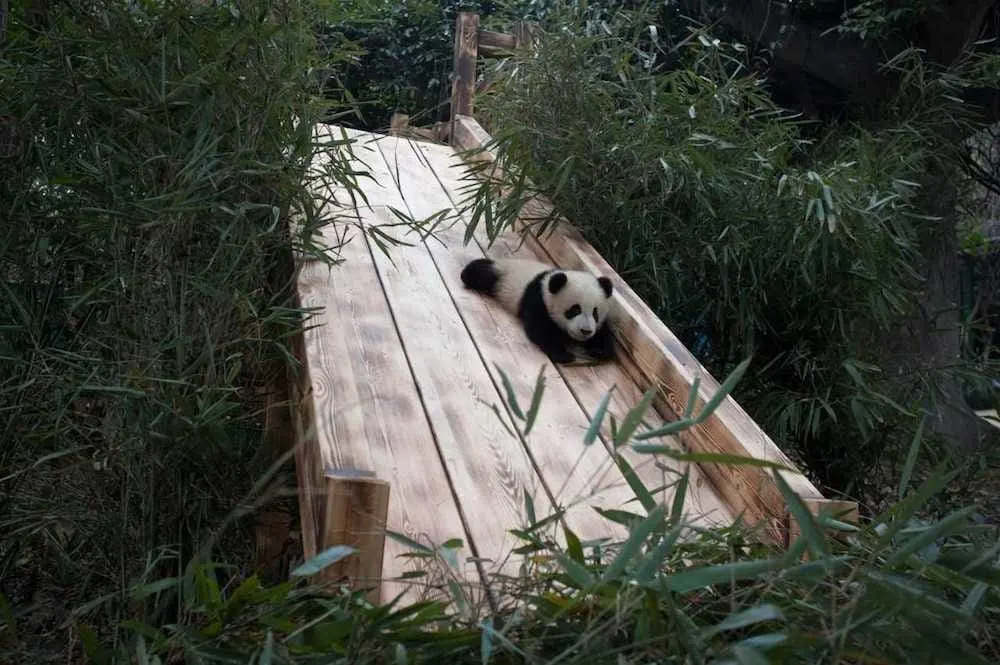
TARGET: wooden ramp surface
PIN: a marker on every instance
(402, 381)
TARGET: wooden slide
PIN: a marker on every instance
(403, 418)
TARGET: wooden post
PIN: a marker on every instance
(843, 511)
(399, 124)
(466, 52)
(273, 525)
(524, 35)
(357, 508)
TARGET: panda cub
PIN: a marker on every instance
(564, 312)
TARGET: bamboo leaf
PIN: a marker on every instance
(633, 418)
(536, 401)
(635, 483)
(637, 538)
(911, 460)
(747, 617)
(953, 523)
(324, 559)
(804, 517)
(511, 396)
(707, 576)
(724, 391)
(573, 547)
(409, 542)
(598, 419)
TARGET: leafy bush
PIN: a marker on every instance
(406, 59)
(154, 152)
(894, 590)
(746, 233)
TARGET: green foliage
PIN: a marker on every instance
(878, 19)
(746, 233)
(155, 152)
(893, 590)
(406, 59)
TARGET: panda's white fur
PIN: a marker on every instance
(564, 312)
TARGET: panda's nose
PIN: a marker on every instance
(586, 331)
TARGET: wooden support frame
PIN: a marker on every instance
(659, 359)
(470, 44)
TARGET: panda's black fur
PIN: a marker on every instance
(487, 276)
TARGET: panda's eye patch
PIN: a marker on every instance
(573, 311)
(595, 314)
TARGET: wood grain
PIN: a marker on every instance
(359, 407)
(464, 62)
(487, 467)
(575, 476)
(356, 516)
(587, 385)
(660, 359)
(495, 43)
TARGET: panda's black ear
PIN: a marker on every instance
(605, 284)
(557, 281)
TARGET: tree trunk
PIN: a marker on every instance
(928, 346)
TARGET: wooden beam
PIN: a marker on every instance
(464, 65)
(524, 34)
(357, 508)
(496, 43)
(659, 359)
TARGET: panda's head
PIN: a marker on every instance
(577, 301)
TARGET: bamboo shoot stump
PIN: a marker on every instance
(357, 507)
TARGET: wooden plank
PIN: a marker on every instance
(587, 385)
(574, 475)
(358, 405)
(488, 470)
(365, 408)
(661, 360)
(308, 461)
